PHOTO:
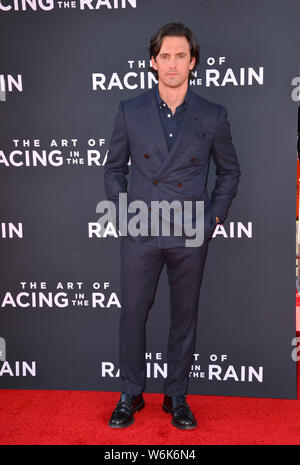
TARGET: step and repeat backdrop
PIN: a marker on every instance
(64, 68)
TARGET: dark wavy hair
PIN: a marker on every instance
(178, 30)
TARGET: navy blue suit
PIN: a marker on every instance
(158, 174)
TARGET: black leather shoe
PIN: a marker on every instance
(123, 415)
(182, 414)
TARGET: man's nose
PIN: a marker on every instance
(172, 63)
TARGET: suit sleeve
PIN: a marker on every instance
(227, 168)
(116, 169)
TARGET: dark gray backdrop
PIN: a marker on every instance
(247, 304)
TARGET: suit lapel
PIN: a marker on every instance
(153, 124)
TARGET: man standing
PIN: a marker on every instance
(171, 134)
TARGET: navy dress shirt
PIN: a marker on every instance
(171, 123)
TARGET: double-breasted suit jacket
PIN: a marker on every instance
(179, 174)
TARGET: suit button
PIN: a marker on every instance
(192, 159)
(154, 182)
(179, 184)
(146, 155)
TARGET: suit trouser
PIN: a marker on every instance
(141, 266)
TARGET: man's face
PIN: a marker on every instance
(173, 62)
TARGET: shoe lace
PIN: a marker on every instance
(124, 406)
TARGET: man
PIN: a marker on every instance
(171, 134)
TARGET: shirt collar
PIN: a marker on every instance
(160, 101)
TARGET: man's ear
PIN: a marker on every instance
(193, 61)
(153, 62)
